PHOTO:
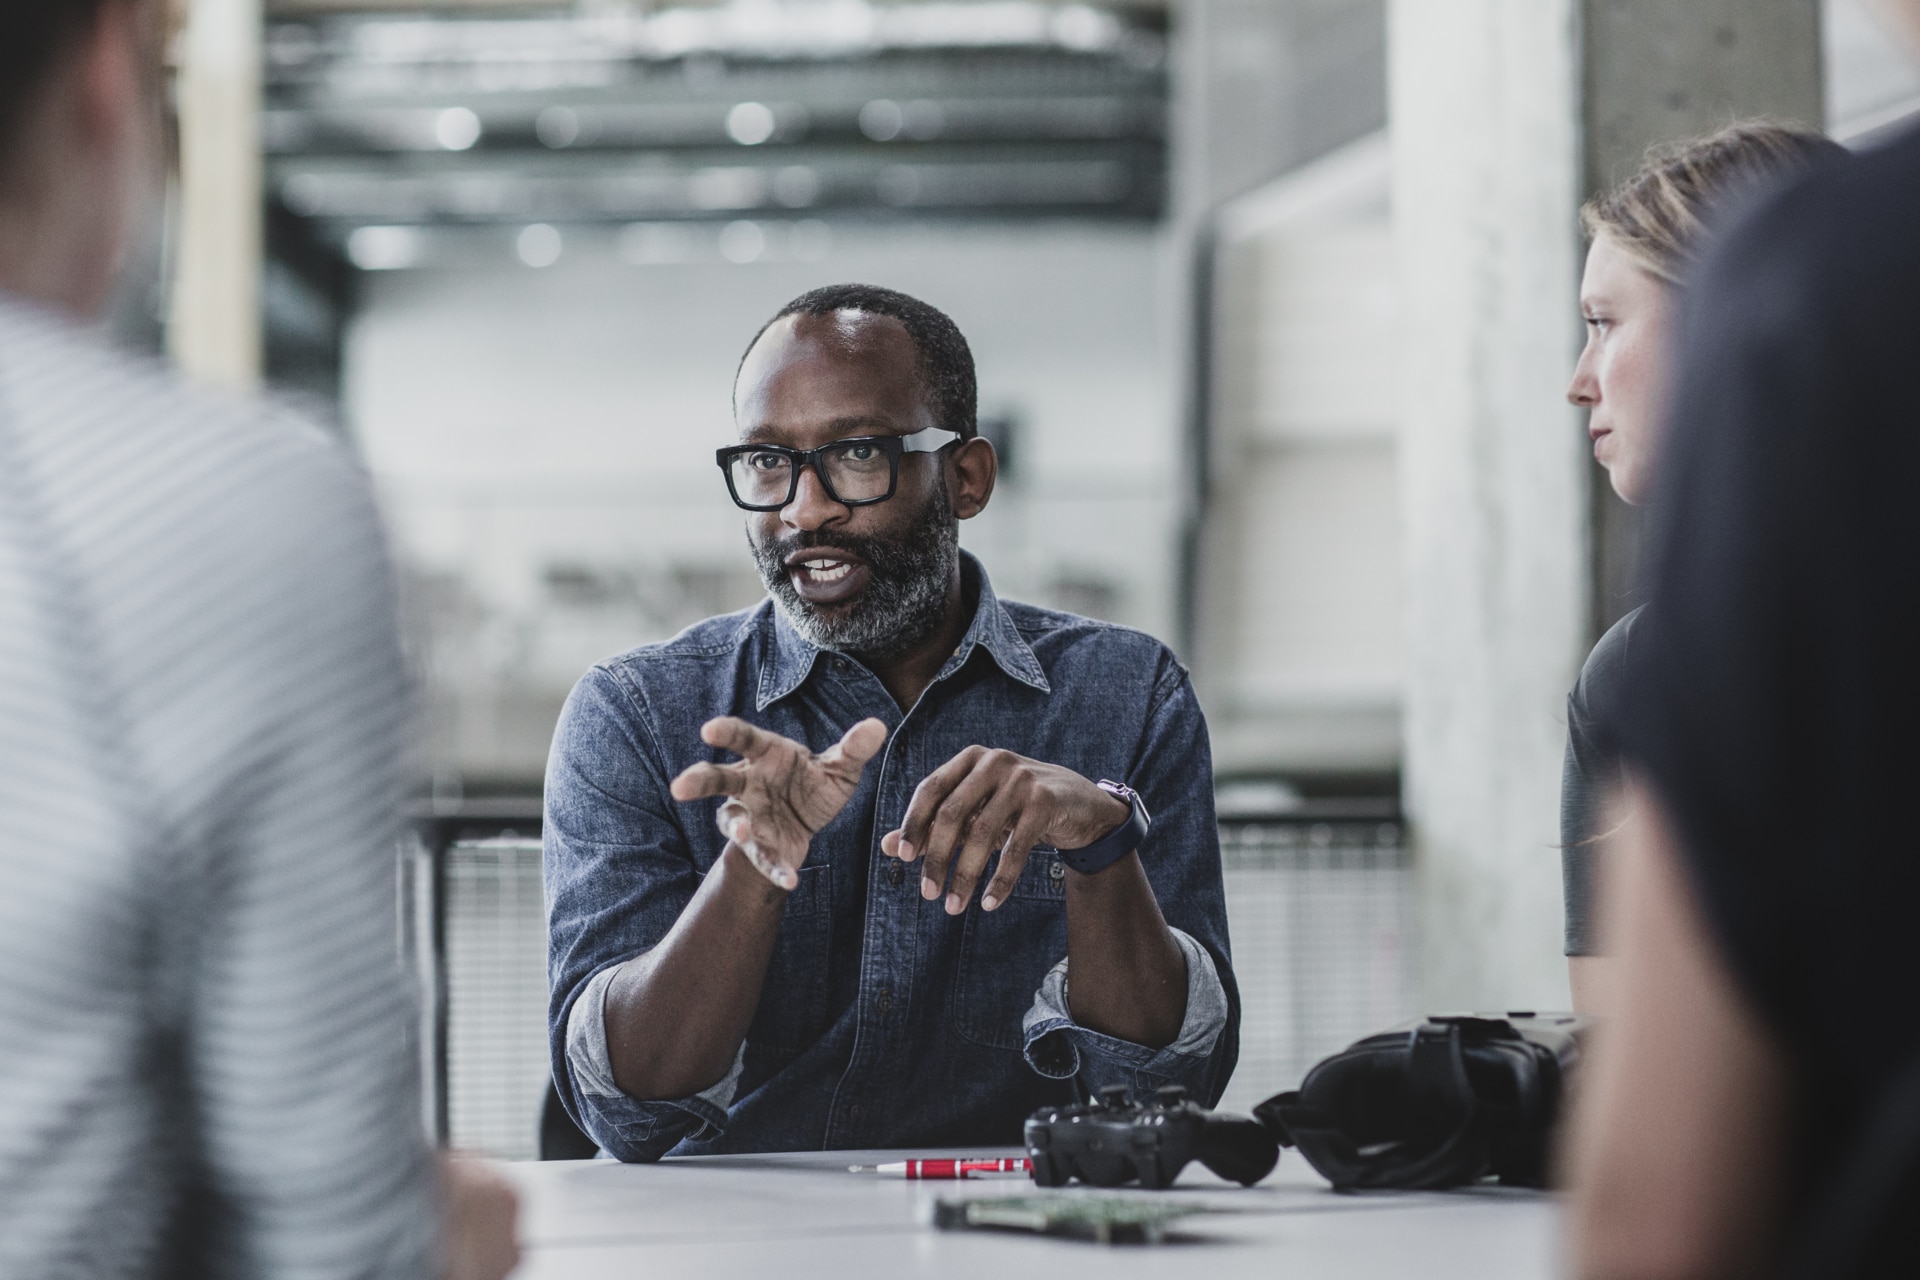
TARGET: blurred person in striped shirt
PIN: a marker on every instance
(204, 1030)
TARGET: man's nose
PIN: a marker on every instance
(811, 507)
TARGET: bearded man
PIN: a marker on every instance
(964, 862)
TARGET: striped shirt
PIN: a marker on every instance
(204, 1033)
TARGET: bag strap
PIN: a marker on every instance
(1435, 1066)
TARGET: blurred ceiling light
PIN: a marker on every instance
(770, 28)
(1079, 26)
(539, 245)
(882, 119)
(456, 128)
(796, 186)
(742, 242)
(750, 123)
(383, 248)
(557, 127)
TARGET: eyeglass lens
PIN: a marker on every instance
(857, 471)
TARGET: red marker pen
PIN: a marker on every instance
(925, 1169)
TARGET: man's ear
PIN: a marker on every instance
(973, 466)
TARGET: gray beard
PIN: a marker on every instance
(906, 596)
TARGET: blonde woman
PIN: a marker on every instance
(1644, 237)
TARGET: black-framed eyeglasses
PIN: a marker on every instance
(855, 472)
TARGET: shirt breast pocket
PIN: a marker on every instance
(1005, 953)
(793, 1002)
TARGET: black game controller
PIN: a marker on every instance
(1113, 1140)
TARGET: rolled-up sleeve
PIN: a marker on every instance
(1173, 771)
(618, 874)
(592, 1069)
(1059, 1047)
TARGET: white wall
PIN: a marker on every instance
(1302, 638)
(522, 419)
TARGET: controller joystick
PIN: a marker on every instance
(1114, 1140)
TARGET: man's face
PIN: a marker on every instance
(871, 579)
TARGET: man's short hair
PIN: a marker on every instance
(33, 35)
(946, 362)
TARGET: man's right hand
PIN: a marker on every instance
(779, 794)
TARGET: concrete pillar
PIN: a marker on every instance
(1505, 113)
(213, 327)
(1482, 100)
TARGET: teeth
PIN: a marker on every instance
(826, 570)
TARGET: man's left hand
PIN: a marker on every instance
(983, 800)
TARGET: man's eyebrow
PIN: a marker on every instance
(860, 422)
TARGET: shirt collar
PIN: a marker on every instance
(992, 629)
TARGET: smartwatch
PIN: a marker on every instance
(1119, 842)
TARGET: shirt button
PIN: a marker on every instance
(895, 874)
(886, 999)
(1057, 870)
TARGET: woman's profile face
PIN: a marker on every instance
(1621, 376)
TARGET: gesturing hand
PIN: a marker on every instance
(780, 794)
(982, 800)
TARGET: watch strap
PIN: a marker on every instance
(1116, 844)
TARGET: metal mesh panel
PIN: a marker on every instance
(496, 931)
(1318, 916)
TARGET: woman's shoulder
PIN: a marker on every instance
(1606, 665)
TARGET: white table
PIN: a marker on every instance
(802, 1216)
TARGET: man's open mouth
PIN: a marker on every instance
(827, 577)
(826, 570)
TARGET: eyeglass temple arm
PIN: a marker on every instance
(931, 440)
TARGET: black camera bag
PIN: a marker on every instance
(1442, 1102)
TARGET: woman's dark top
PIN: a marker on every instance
(1772, 691)
(1588, 781)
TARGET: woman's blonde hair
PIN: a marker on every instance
(1658, 215)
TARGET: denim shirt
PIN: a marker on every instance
(883, 1021)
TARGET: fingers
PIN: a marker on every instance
(731, 733)
(1027, 832)
(952, 823)
(729, 817)
(984, 833)
(736, 824)
(700, 780)
(927, 798)
(857, 746)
